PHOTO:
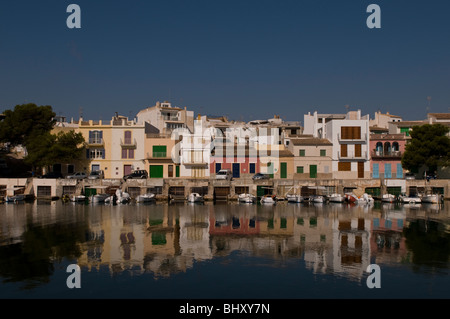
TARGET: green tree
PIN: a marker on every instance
(62, 148)
(67, 148)
(26, 123)
(429, 147)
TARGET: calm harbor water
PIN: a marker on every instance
(224, 250)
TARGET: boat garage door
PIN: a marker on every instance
(44, 191)
(156, 171)
(221, 193)
(176, 191)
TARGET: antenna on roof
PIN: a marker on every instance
(346, 107)
(428, 103)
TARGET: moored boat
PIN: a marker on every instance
(77, 198)
(99, 198)
(431, 199)
(365, 199)
(318, 199)
(388, 198)
(336, 198)
(294, 198)
(246, 198)
(145, 198)
(268, 199)
(195, 198)
(403, 198)
(350, 197)
(14, 198)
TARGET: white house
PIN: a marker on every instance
(349, 134)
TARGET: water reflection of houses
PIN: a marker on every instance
(168, 239)
(387, 243)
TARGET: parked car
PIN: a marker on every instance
(224, 174)
(52, 175)
(77, 175)
(97, 174)
(410, 176)
(259, 176)
(137, 174)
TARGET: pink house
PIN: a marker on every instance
(386, 155)
(244, 162)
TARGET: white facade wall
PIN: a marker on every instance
(331, 130)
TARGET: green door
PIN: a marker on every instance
(283, 169)
(177, 171)
(89, 191)
(156, 171)
(312, 171)
(260, 191)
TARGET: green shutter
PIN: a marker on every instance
(283, 170)
(312, 171)
(300, 169)
(323, 152)
(302, 153)
(159, 150)
(177, 171)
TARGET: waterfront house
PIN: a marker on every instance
(116, 146)
(349, 135)
(166, 118)
(160, 153)
(386, 155)
(312, 157)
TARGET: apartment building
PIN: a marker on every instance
(349, 135)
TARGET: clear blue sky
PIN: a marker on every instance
(247, 59)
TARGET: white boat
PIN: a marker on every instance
(268, 199)
(409, 199)
(388, 198)
(145, 198)
(124, 198)
(99, 198)
(246, 198)
(365, 199)
(294, 198)
(336, 198)
(77, 198)
(195, 198)
(431, 199)
(318, 199)
(120, 197)
(14, 198)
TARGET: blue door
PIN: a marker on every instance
(375, 173)
(218, 167)
(387, 171)
(399, 171)
(236, 170)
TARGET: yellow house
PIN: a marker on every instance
(116, 146)
(312, 157)
(158, 155)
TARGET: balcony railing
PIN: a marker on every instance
(170, 118)
(378, 154)
(95, 141)
(352, 156)
(128, 142)
(159, 154)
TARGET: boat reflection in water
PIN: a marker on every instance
(285, 246)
